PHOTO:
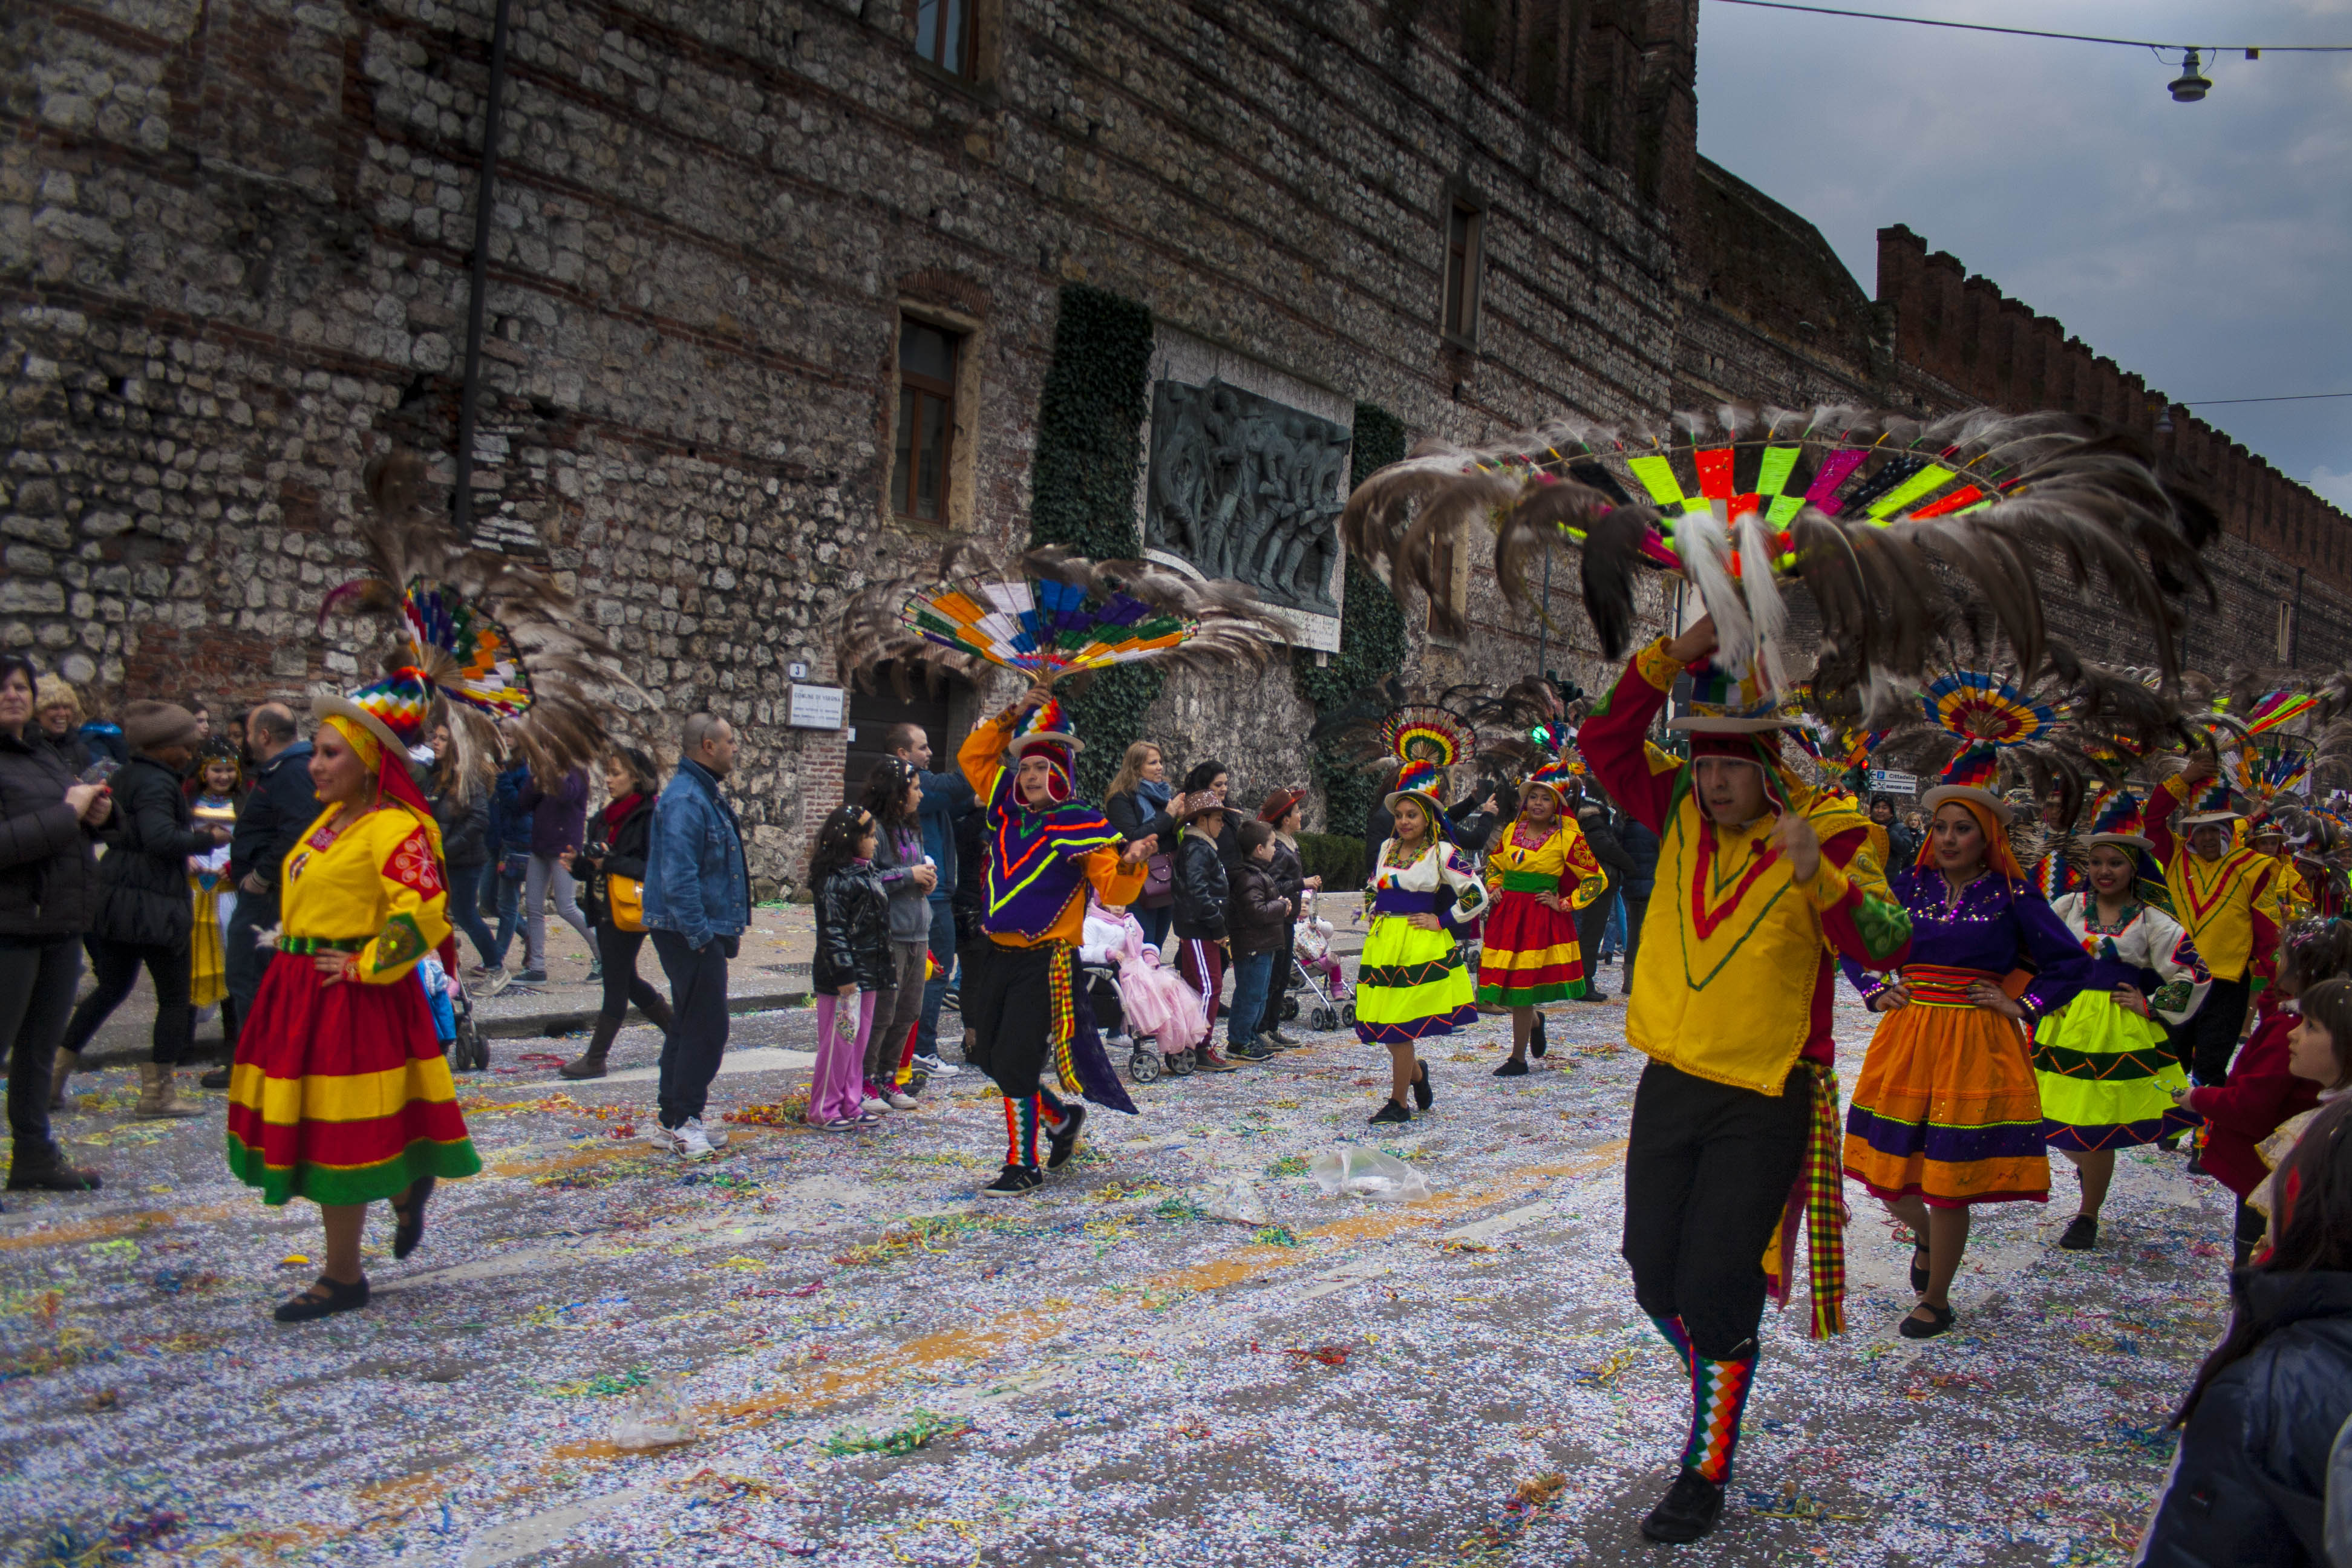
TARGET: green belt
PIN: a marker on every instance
(299, 945)
(1529, 882)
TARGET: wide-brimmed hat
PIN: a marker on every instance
(146, 725)
(1971, 777)
(1279, 804)
(1420, 780)
(1721, 704)
(2120, 820)
(2209, 805)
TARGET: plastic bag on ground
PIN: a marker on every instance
(1365, 1174)
(654, 1416)
(1238, 1201)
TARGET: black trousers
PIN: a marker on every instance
(618, 951)
(1637, 908)
(1008, 1007)
(36, 991)
(243, 960)
(698, 1030)
(115, 965)
(2206, 1043)
(1707, 1172)
(1591, 921)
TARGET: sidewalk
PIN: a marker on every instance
(771, 971)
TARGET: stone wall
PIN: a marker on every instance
(234, 240)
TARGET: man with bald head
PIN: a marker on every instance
(281, 806)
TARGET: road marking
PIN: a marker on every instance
(520, 1537)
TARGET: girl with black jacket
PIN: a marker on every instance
(853, 967)
(144, 915)
(617, 849)
(48, 894)
(1203, 888)
(2249, 1484)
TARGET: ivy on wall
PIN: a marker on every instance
(1372, 644)
(1082, 489)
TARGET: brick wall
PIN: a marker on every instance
(233, 243)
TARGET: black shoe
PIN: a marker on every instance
(1919, 1269)
(1687, 1511)
(1064, 1142)
(1277, 1039)
(1913, 1328)
(1391, 1110)
(2196, 1167)
(1537, 1044)
(1014, 1180)
(1514, 1067)
(1423, 1095)
(219, 1076)
(33, 1170)
(1247, 1051)
(410, 1215)
(311, 1304)
(2169, 1142)
(2083, 1234)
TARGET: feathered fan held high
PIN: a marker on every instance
(1053, 616)
(501, 648)
(1861, 507)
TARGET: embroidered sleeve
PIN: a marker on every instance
(418, 898)
(1468, 904)
(1592, 882)
(1861, 918)
(2060, 967)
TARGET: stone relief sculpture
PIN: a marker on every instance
(1243, 486)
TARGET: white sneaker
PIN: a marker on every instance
(662, 1138)
(900, 1099)
(712, 1136)
(495, 981)
(936, 1067)
(691, 1144)
(872, 1107)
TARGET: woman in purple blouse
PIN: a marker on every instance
(1947, 1112)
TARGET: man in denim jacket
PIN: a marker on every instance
(698, 901)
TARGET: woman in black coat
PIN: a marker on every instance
(2248, 1486)
(49, 892)
(463, 818)
(616, 848)
(144, 913)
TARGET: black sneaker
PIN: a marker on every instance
(2196, 1167)
(1247, 1051)
(2083, 1234)
(531, 978)
(216, 1077)
(1514, 1067)
(1423, 1095)
(1015, 1181)
(1391, 1110)
(1064, 1142)
(1687, 1511)
(1537, 1044)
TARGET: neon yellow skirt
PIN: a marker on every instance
(1412, 983)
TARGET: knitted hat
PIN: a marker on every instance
(1045, 727)
(2209, 804)
(1420, 780)
(146, 725)
(392, 710)
(2120, 821)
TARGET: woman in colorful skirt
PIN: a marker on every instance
(1540, 875)
(219, 781)
(2106, 1074)
(1412, 981)
(1946, 1113)
(339, 1093)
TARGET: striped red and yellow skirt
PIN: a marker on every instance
(1947, 1107)
(339, 1093)
(1531, 955)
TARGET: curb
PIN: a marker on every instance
(513, 1026)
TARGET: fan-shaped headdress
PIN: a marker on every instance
(488, 646)
(1988, 712)
(1426, 739)
(1863, 507)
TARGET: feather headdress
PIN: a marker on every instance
(488, 645)
(1866, 509)
(1053, 616)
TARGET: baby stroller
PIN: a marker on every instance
(1315, 971)
(1136, 1002)
(453, 1017)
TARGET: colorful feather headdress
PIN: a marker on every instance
(1862, 506)
(1053, 616)
(488, 646)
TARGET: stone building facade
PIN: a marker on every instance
(235, 240)
(234, 236)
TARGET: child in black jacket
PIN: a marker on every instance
(1199, 884)
(853, 966)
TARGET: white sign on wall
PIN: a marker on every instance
(816, 708)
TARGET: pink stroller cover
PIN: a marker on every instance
(1157, 1002)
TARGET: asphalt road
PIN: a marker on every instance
(879, 1367)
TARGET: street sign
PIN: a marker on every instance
(1886, 780)
(815, 708)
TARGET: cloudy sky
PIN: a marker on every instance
(2207, 246)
